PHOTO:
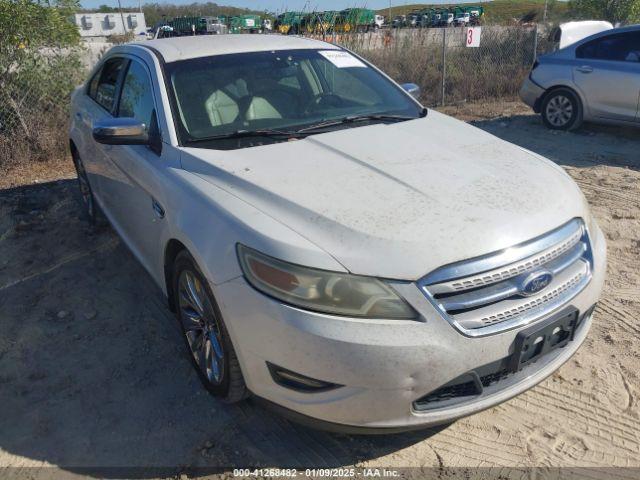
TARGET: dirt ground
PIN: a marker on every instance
(93, 372)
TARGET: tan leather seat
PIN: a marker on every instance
(221, 108)
(260, 108)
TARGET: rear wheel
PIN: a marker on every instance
(562, 110)
(205, 334)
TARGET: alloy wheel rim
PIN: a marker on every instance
(559, 111)
(201, 327)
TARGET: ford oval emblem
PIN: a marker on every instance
(535, 282)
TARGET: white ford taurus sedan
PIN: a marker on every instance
(328, 244)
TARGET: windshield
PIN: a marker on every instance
(280, 90)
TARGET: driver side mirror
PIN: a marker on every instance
(412, 89)
(120, 131)
(129, 131)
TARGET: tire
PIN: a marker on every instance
(561, 109)
(90, 208)
(214, 359)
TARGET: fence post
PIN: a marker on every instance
(535, 44)
(444, 62)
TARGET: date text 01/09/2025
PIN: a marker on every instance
(316, 472)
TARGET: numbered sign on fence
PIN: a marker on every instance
(472, 38)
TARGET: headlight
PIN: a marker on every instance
(322, 290)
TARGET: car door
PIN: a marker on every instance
(96, 104)
(133, 183)
(607, 72)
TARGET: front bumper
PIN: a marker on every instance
(384, 366)
(531, 94)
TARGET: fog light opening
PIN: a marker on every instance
(300, 383)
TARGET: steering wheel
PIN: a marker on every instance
(321, 99)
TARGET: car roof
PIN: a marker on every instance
(627, 28)
(183, 48)
(568, 51)
(606, 33)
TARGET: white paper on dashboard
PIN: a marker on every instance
(341, 59)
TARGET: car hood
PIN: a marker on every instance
(399, 200)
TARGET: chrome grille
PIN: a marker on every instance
(485, 295)
(518, 268)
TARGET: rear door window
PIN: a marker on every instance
(619, 47)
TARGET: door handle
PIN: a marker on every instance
(585, 69)
(157, 208)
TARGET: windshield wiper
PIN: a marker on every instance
(250, 133)
(354, 119)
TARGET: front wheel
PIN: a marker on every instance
(562, 110)
(89, 207)
(205, 334)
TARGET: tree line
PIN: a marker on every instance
(615, 11)
(154, 12)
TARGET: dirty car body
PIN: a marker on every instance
(365, 282)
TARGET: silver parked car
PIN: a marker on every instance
(596, 79)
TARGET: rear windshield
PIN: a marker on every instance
(289, 89)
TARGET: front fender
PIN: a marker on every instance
(210, 222)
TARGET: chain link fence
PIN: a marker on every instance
(447, 71)
(34, 103)
(39, 67)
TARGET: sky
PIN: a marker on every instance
(273, 5)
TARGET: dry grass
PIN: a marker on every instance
(473, 112)
(34, 105)
(38, 154)
(495, 70)
(44, 136)
(30, 172)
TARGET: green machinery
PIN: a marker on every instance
(424, 17)
(181, 26)
(438, 17)
(476, 13)
(319, 22)
(289, 22)
(355, 19)
(245, 24)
